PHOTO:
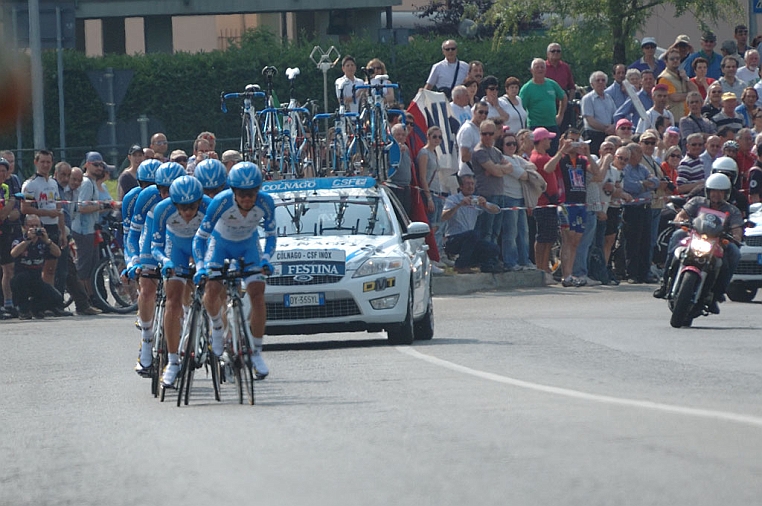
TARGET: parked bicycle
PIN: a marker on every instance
(252, 141)
(109, 292)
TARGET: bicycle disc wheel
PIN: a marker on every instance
(159, 357)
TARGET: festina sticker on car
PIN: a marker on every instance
(313, 269)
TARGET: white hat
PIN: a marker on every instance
(648, 40)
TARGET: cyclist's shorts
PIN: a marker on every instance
(219, 249)
(148, 262)
(180, 251)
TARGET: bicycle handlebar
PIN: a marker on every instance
(375, 86)
(283, 110)
(328, 115)
(246, 94)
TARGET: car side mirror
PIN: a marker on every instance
(416, 230)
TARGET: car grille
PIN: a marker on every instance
(749, 268)
(332, 309)
(290, 281)
(754, 240)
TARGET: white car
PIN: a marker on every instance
(348, 259)
(748, 276)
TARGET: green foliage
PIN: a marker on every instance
(182, 90)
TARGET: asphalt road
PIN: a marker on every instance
(545, 396)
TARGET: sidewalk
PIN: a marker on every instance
(461, 284)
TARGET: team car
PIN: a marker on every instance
(348, 259)
(748, 276)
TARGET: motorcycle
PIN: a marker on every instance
(699, 258)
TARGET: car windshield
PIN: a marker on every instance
(331, 216)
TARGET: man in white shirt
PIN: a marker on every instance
(345, 85)
(469, 136)
(448, 73)
(460, 109)
(660, 95)
(750, 72)
(42, 189)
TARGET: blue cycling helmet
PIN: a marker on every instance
(245, 175)
(168, 172)
(211, 173)
(186, 190)
(147, 170)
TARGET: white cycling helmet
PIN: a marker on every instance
(718, 182)
(728, 166)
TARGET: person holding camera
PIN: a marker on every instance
(461, 211)
(31, 294)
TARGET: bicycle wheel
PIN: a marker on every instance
(187, 365)
(244, 348)
(247, 139)
(109, 293)
(160, 348)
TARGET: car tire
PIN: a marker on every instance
(740, 292)
(404, 332)
(424, 328)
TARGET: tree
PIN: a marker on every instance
(620, 18)
(446, 15)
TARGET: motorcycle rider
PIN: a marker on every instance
(729, 167)
(717, 190)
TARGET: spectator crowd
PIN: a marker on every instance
(545, 180)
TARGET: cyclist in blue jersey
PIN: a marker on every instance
(229, 232)
(213, 176)
(140, 242)
(146, 177)
(175, 222)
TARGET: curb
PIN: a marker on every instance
(462, 284)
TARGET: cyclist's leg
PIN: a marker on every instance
(173, 311)
(255, 288)
(214, 294)
(146, 306)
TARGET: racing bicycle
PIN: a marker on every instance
(109, 292)
(252, 142)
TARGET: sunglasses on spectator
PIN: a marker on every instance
(490, 134)
(649, 46)
(510, 143)
(377, 68)
(675, 155)
(435, 136)
(451, 49)
(481, 112)
(649, 143)
(620, 157)
(181, 159)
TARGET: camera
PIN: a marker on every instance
(670, 185)
(39, 232)
(576, 144)
(474, 200)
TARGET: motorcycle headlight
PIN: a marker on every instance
(701, 247)
(375, 265)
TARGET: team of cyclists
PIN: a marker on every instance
(178, 225)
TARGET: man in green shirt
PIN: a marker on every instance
(544, 101)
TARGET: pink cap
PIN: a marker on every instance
(542, 133)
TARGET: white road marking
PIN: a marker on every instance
(576, 394)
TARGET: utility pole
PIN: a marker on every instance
(35, 49)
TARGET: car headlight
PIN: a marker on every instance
(375, 265)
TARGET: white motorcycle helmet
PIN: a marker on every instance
(718, 182)
(726, 165)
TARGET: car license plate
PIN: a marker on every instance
(304, 299)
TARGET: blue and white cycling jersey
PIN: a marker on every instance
(146, 201)
(225, 229)
(172, 236)
(128, 208)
